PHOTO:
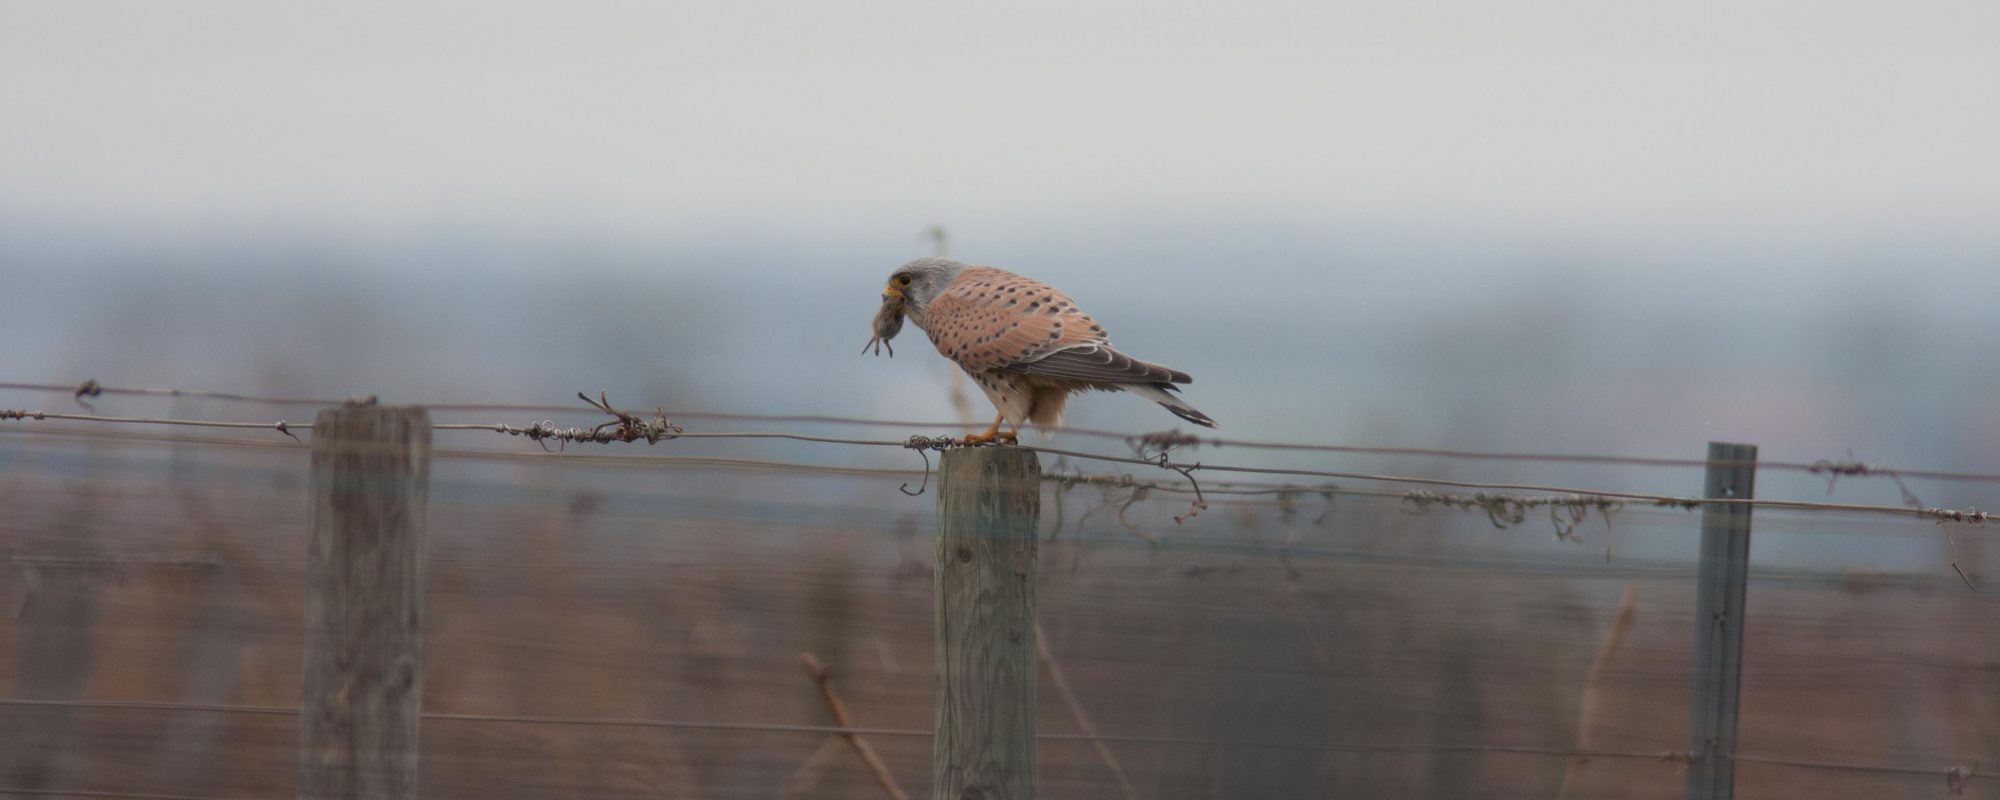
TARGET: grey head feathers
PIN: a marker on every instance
(921, 281)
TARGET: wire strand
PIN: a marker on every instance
(44, 792)
(1124, 481)
(1971, 515)
(1671, 756)
(1830, 467)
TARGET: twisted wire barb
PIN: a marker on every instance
(626, 428)
(1833, 470)
(1566, 512)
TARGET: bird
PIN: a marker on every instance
(1027, 345)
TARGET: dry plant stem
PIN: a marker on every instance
(824, 678)
(805, 781)
(960, 400)
(1951, 543)
(1083, 722)
(1593, 689)
(1289, 592)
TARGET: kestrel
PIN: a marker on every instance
(1027, 345)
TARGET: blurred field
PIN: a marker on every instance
(1555, 227)
(1260, 642)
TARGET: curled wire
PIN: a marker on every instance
(1566, 512)
(924, 445)
(1200, 502)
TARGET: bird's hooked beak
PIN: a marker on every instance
(889, 290)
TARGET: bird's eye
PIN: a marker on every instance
(902, 280)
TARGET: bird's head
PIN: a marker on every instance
(919, 282)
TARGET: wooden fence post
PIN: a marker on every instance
(1718, 638)
(989, 501)
(364, 662)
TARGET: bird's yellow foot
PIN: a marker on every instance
(992, 436)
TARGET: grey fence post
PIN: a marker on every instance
(364, 603)
(1718, 638)
(989, 500)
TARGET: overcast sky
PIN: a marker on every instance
(1783, 121)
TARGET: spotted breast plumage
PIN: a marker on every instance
(1027, 345)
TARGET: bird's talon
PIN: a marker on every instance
(991, 437)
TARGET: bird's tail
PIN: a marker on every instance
(1163, 393)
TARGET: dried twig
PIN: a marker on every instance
(1138, 493)
(1083, 723)
(1593, 688)
(824, 677)
(1951, 546)
(804, 781)
(1293, 588)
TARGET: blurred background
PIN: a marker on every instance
(1535, 227)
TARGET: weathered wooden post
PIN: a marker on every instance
(1718, 638)
(364, 660)
(989, 500)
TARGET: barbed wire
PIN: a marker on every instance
(1974, 516)
(1567, 507)
(1135, 489)
(109, 795)
(1121, 492)
(1065, 477)
(280, 426)
(1304, 560)
(629, 428)
(1955, 776)
(1833, 469)
(1503, 509)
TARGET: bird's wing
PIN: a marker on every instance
(1099, 364)
(992, 319)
